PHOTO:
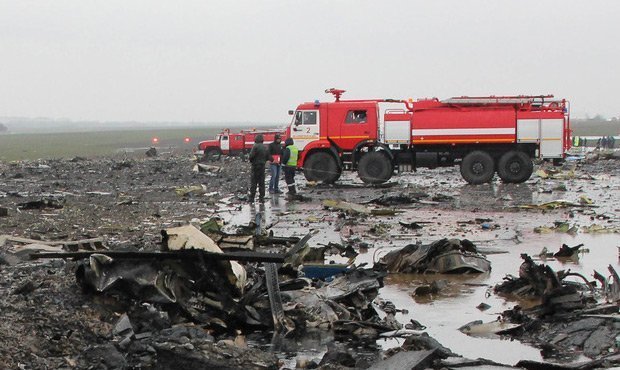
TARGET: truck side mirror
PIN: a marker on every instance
(291, 112)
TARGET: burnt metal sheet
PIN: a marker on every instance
(441, 256)
(151, 282)
(459, 262)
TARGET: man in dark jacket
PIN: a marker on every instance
(290, 155)
(275, 150)
(259, 155)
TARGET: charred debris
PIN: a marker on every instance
(207, 297)
(199, 297)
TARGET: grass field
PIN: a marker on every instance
(91, 144)
(590, 127)
(100, 143)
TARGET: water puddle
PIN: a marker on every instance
(506, 232)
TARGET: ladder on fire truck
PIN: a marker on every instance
(531, 100)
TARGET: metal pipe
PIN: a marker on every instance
(188, 254)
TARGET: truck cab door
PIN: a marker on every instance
(360, 123)
(224, 143)
(236, 143)
(305, 127)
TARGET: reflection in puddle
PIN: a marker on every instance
(445, 312)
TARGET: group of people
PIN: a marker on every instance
(604, 142)
(278, 157)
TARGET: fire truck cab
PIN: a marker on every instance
(485, 135)
(234, 143)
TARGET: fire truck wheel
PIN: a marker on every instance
(515, 166)
(321, 166)
(375, 168)
(477, 167)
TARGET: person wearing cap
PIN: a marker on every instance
(259, 155)
(275, 150)
(290, 155)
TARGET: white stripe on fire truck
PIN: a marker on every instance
(462, 131)
(453, 141)
(312, 137)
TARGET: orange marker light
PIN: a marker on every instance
(155, 140)
(187, 139)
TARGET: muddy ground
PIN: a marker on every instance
(47, 322)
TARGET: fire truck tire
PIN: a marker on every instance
(477, 167)
(321, 166)
(375, 168)
(515, 167)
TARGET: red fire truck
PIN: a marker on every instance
(375, 137)
(241, 142)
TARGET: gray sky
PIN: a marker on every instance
(214, 61)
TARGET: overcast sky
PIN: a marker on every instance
(214, 61)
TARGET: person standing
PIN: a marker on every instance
(275, 150)
(259, 155)
(290, 154)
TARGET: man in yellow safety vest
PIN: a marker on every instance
(290, 154)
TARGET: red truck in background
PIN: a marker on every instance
(236, 143)
(375, 137)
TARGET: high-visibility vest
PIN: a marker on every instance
(292, 160)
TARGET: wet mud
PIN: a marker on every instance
(493, 216)
(48, 322)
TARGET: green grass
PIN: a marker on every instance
(92, 144)
(100, 143)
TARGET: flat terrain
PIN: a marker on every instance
(91, 144)
(592, 127)
(128, 201)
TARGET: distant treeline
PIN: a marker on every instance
(596, 126)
